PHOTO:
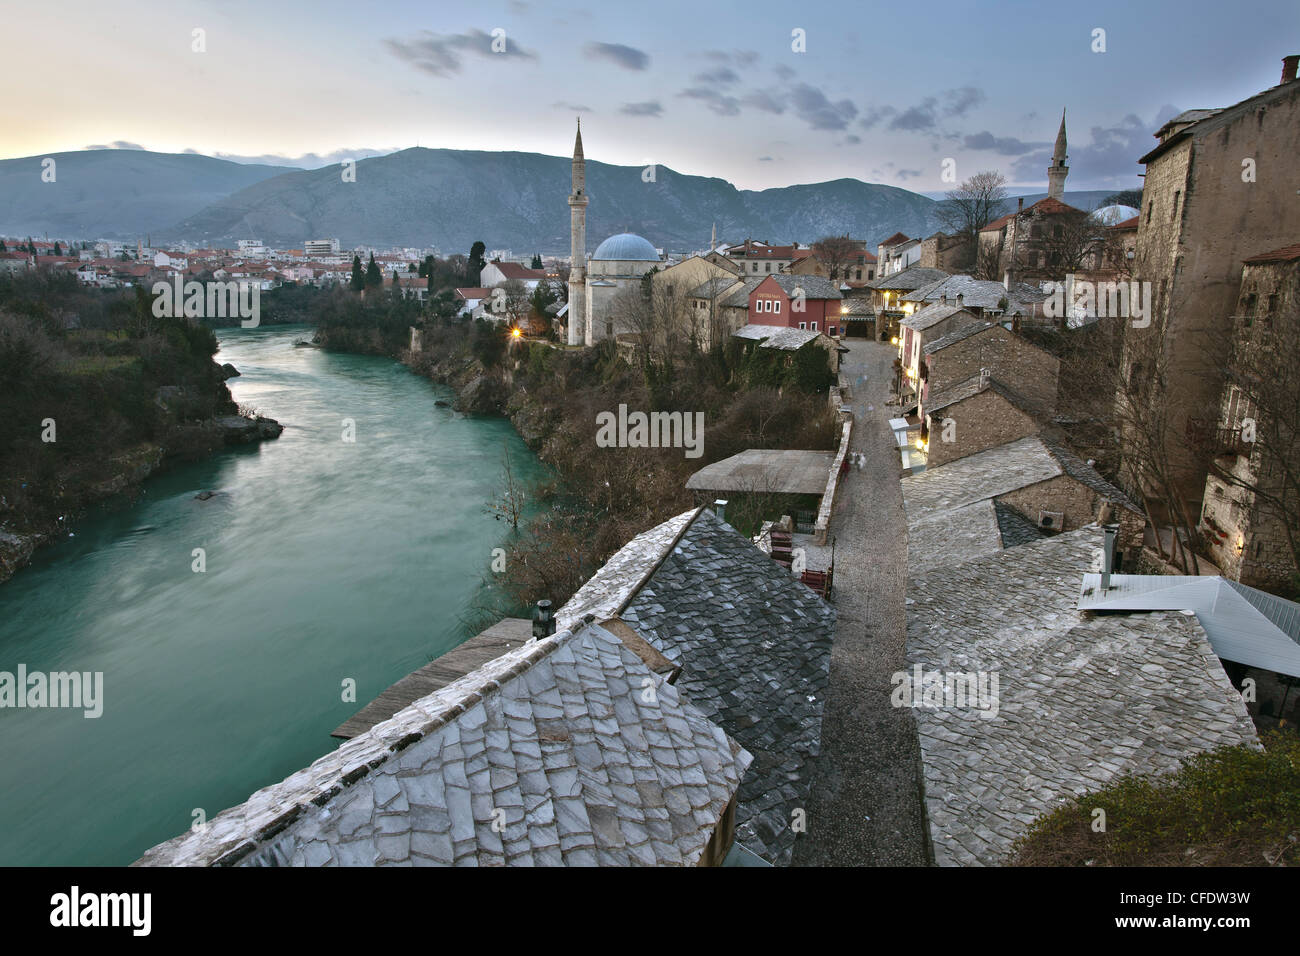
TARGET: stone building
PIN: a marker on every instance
(973, 416)
(949, 253)
(1004, 356)
(887, 290)
(1256, 467)
(1220, 188)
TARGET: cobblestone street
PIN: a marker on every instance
(865, 808)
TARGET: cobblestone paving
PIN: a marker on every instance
(865, 806)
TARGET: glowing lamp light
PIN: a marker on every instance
(894, 340)
(1241, 544)
(516, 333)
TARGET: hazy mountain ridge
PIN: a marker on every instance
(115, 193)
(434, 197)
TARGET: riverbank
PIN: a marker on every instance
(553, 396)
(99, 395)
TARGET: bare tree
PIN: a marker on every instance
(836, 253)
(973, 205)
(509, 503)
(515, 301)
(1072, 240)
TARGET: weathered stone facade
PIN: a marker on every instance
(1009, 358)
(979, 422)
(1220, 187)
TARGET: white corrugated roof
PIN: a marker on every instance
(1237, 627)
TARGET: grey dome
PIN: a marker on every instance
(626, 246)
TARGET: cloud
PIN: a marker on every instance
(916, 117)
(1109, 158)
(304, 161)
(717, 102)
(629, 58)
(648, 108)
(875, 115)
(906, 174)
(442, 54)
(765, 101)
(116, 144)
(852, 139)
(813, 106)
(723, 76)
(738, 57)
(765, 159)
(1002, 145)
(783, 71)
(962, 100)
(575, 107)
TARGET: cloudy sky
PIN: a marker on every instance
(883, 93)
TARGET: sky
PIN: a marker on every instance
(763, 94)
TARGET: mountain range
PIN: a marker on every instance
(446, 198)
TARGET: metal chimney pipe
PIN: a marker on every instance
(1108, 554)
(543, 620)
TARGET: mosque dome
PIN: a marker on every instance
(1115, 213)
(624, 247)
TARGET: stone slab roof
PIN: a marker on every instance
(740, 298)
(913, 277)
(551, 754)
(1080, 699)
(711, 288)
(754, 646)
(932, 315)
(1015, 527)
(775, 470)
(972, 386)
(777, 336)
(986, 474)
(975, 293)
(814, 287)
(951, 537)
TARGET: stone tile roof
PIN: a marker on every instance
(1015, 527)
(986, 474)
(740, 298)
(777, 336)
(965, 332)
(754, 645)
(814, 287)
(1081, 471)
(952, 537)
(714, 287)
(932, 315)
(960, 391)
(913, 277)
(551, 754)
(1080, 700)
(975, 293)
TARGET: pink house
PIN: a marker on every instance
(797, 302)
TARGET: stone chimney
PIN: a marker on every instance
(1289, 64)
(984, 378)
(960, 297)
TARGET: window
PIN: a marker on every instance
(814, 326)
(1150, 205)
(859, 275)
(769, 267)
(803, 325)
(755, 267)
(1173, 214)
(777, 305)
(831, 331)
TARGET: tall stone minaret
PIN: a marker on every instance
(1057, 172)
(713, 240)
(578, 246)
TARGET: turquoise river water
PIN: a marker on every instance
(325, 560)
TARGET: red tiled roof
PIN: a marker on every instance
(1052, 207)
(1285, 254)
(1127, 223)
(513, 270)
(997, 224)
(473, 293)
(895, 239)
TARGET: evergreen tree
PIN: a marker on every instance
(476, 263)
(358, 280)
(537, 260)
(58, 249)
(2, 246)
(374, 278)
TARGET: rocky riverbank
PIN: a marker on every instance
(21, 535)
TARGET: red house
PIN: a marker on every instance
(797, 302)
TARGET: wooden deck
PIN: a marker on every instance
(503, 636)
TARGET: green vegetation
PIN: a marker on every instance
(1230, 807)
(84, 367)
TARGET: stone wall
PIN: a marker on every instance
(1011, 359)
(981, 422)
(1079, 504)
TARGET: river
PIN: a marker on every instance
(326, 560)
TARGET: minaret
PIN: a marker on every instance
(578, 246)
(713, 241)
(1057, 172)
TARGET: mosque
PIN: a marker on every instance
(618, 263)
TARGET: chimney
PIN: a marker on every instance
(1020, 205)
(960, 297)
(1108, 555)
(984, 378)
(543, 620)
(1289, 64)
(720, 509)
(943, 298)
